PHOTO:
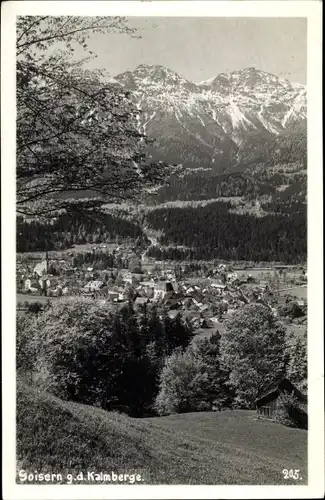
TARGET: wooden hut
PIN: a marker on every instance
(266, 403)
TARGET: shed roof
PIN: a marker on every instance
(141, 300)
(274, 390)
(164, 286)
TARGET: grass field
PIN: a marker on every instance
(298, 291)
(21, 297)
(230, 447)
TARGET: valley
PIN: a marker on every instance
(161, 251)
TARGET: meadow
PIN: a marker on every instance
(227, 447)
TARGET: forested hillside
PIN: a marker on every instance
(214, 232)
(70, 229)
(249, 184)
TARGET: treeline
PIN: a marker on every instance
(285, 208)
(199, 187)
(99, 260)
(212, 232)
(296, 192)
(248, 184)
(146, 363)
(98, 356)
(290, 146)
(71, 229)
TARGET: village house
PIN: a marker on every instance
(218, 285)
(32, 285)
(137, 277)
(140, 302)
(47, 281)
(232, 277)
(172, 314)
(147, 287)
(93, 286)
(172, 302)
(113, 295)
(40, 268)
(301, 302)
(162, 288)
(267, 402)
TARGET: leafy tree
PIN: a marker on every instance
(155, 332)
(25, 349)
(183, 384)
(76, 129)
(194, 380)
(207, 351)
(178, 333)
(296, 351)
(81, 350)
(252, 348)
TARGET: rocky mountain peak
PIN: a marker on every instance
(210, 123)
(155, 76)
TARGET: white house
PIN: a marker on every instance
(41, 268)
(32, 285)
(93, 286)
(161, 289)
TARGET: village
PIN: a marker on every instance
(204, 296)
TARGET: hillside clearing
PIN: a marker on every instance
(230, 447)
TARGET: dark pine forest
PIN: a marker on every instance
(213, 232)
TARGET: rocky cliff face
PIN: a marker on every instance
(216, 124)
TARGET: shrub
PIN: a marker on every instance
(34, 307)
(293, 310)
(290, 411)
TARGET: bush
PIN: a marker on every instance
(293, 310)
(34, 307)
(290, 411)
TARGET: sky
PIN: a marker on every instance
(200, 48)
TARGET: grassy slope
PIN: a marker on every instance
(230, 447)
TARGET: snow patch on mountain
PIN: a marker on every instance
(295, 109)
(219, 114)
(146, 123)
(238, 119)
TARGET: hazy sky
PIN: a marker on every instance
(200, 48)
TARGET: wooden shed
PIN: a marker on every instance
(266, 403)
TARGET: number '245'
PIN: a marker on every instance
(291, 474)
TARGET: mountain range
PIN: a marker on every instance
(219, 124)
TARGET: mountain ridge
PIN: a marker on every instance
(212, 124)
